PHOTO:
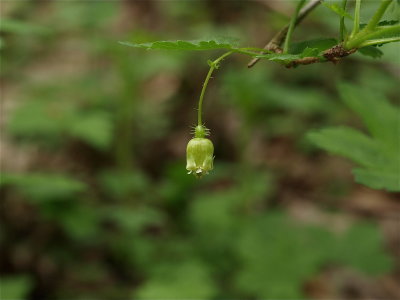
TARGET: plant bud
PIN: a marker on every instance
(199, 156)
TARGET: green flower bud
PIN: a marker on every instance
(199, 156)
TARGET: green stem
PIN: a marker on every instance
(364, 36)
(370, 32)
(342, 25)
(378, 15)
(356, 25)
(291, 26)
(213, 66)
(379, 41)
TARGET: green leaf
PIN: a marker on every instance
(95, 128)
(337, 9)
(349, 143)
(218, 43)
(277, 255)
(321, 44)
(371, 51)
(378, 154)
(301, 50)
(122, 184)
(383, 126)
(382, 23)
(80, 222)
(40, 187)
(361, 246)
(379, 179)
(15, 287)
(49, 120)
(37, 118)
(310, 52)
(187, 279)
(388, 22)
(133, 220)
(20, 27)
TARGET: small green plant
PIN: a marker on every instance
(363, 37)
(376, 153)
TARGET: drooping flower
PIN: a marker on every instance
(199, 153)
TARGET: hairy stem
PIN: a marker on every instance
(213, 66)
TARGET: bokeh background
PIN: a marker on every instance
(95, 199)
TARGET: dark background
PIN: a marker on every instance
(95, 199)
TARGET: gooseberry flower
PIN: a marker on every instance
(199, 153)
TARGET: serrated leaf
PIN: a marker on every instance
(219, 43)
(370, 51)
(347, 142)
(382, 23)
(378, 154)
(337, 10)
(378, 114)
(379, 179)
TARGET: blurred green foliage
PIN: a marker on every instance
(15, 287)
(102, 206)
(378, 154)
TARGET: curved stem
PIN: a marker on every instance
(378, 15)
(365, 36)
(379, 41)
(213, 66)
(370, 31)
(291, 26)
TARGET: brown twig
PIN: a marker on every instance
(277, 40)
(334, 54)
